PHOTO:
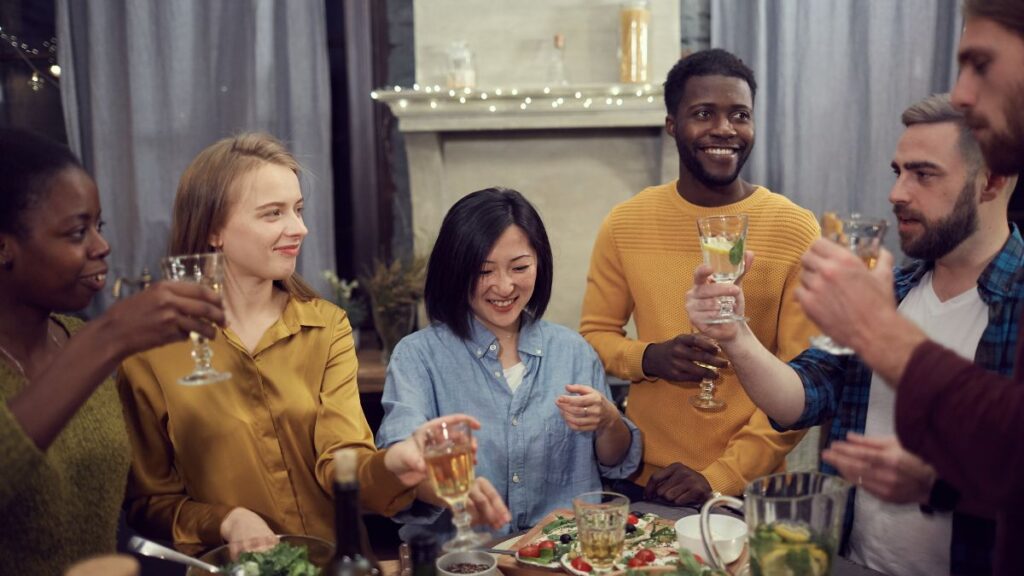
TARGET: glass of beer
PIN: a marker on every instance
(601, 522)
(208, 270)
(863, 236)
(448, 452)
(722, 242)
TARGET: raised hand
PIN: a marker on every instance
(881, 466)
(163, 313)
(674, 359)
(677, 485)
(486, 506)
(405, 458)
(585, 409)
(702, 301)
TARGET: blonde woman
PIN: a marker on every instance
(240, 460)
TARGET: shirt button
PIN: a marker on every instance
(538, 351)
(515, 421)
(493, 347)
(497, 374)
(515, 478)
(479, 352)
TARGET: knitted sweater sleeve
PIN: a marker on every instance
(607, 306)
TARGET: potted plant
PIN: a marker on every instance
(346, 297)
(395, 290)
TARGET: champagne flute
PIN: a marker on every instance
(863, 236)
(705, 399)
(722, 242)
(208, 270)
(448, 452)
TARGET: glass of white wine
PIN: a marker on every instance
(722, 242)
(601, 522)
(863, 236)
(208, 270)
(448, 452)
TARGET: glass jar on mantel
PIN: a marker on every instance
(634, 39)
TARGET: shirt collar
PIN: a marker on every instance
(995, 282)
(481, 339)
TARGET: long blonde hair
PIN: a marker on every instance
(205, 196)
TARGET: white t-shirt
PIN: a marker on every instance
(514, 375)
(899, 539)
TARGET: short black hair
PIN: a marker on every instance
(468, 234)
(713, 62)
(28, 161)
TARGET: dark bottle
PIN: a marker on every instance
(352, 553)
(424, 555)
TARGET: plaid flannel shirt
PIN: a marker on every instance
(836, 388)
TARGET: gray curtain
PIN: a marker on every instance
(147, 84)
(833, 78)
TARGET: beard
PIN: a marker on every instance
(1004, 151)
(688, 156)
(943, 236)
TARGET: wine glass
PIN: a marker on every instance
(208, 270)
(863, 236)
(722, 242)
(448, 452)
(705, 399)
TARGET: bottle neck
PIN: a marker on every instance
(348, 522)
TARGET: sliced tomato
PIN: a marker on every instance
(531, 551)
(646, 556)
(546, 545)
(580, 564)
(636, 562)
(632, 519)
(699, 559)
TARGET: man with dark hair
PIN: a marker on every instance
(961, 289)
(966, 421)
(642, 265)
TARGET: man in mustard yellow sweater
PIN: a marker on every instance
(642, 266)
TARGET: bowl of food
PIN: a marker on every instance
(729, 535)
(293, 555)
(472, 562)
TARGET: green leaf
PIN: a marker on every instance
(736, 252)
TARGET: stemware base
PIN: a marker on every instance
(707, 404)
(204, 377)
(822, 342)
(466, 540)
(725, 319)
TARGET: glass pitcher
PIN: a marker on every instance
(794, 523)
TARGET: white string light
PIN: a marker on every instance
(504, 99)
(38, 79)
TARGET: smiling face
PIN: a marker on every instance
(506, 281)
(990, 90)
(264, 229)
(713, 128)
(59, 263)
(935, 197)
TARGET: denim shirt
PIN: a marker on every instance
(524, 447)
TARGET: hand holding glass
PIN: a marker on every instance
(448, 452)
(705, 400)
(208, 270)
(722, 242)
(863, 236)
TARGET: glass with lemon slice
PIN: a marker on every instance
(722, 242)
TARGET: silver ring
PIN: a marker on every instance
(860, 480)
(585, 408)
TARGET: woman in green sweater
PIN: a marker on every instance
(63, 447)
